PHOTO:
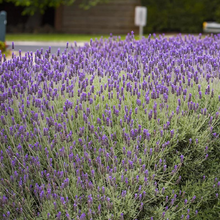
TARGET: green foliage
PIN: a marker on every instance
(180, 16)
(3, 48)
(86, 4)
(32, 6)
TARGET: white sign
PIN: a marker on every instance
(140, 16)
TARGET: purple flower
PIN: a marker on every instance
(164, 168)
(193, 198)
(59, 215)
(83, 216)
(172, 133)
(178, 181)
(138, 102)
(122, 216)
(181, 158)
(99, 209)
(141, 206)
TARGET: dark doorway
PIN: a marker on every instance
(17, 23)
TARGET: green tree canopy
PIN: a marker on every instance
(180, 15)
(32, 6)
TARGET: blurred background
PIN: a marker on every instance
(100, 17)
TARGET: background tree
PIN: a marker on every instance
(180, 15)
(35, 9)
(39, 6)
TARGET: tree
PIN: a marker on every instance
(33, 6)
(186, 16)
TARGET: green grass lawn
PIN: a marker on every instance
(54, 37)
(68, 37)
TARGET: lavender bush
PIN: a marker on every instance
(112, 130)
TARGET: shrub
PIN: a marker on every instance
(3, 48)
(112, 130)
(185, 16)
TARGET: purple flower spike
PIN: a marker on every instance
(59, 215)
(181, 158)
(83, 216)
(122, 216)
(138, 102)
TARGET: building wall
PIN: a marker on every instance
(116, 17)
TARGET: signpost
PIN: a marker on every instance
(140, 18)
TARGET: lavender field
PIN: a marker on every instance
(114, 130)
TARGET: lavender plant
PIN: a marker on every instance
(112, 130)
